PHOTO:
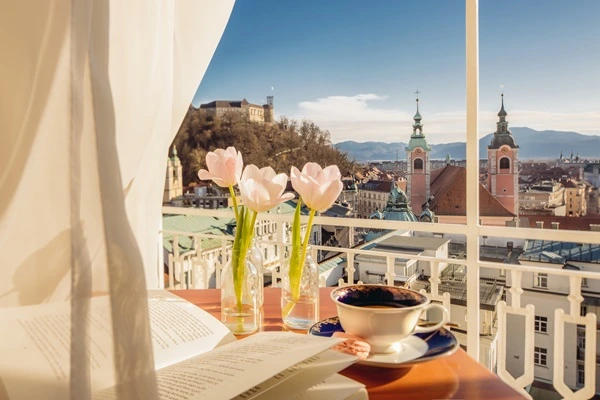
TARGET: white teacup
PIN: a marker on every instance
(383, 315)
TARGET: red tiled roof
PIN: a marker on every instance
(570, 223)
(449, 190)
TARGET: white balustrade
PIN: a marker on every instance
(201, 268)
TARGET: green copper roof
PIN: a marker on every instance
(207, 225)
(418, 141)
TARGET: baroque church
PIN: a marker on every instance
(442, 192)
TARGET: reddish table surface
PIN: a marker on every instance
(454, 377)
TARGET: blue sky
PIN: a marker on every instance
(353, 66)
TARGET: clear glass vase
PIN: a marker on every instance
(239, 296)
(256, 259)
(300, 293)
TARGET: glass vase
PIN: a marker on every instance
(300, 297)
(256, 259)
(239, 295)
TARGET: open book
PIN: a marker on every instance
(196, 357)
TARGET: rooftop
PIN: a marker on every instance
(554, 252)
(449, 187)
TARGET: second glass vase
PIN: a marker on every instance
(239, 294)
(300, 297)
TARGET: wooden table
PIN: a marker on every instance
(454, 377)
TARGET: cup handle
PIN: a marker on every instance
(444, 321)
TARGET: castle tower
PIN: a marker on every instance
(503, 165)
(173, 178)
(418, 167)
(269, 111)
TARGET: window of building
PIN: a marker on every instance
(541, 280)
(583, 310)
(580, 374)
(584, 282)
(504, 163)
(541, 324)
(418, 164)
(540, 356)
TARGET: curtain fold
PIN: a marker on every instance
(91, 95)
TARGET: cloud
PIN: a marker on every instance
(364, 117)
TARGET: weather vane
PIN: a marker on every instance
(502, 89)
(417, 93)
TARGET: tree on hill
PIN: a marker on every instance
(281, 145)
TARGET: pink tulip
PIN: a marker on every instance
(261, 189)
(318, 187)
(224, 167)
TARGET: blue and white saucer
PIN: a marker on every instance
(417, 348)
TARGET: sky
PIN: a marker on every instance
(353, 67)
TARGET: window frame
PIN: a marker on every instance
(538, 278)
(540, 356)
(540, 324)
(580, 374)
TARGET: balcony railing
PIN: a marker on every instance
(193, 269)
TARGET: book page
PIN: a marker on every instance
(305, 374)
(181, 330)
(336, 387)
(35, 342)
(237, 367)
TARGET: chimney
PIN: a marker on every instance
(555, 225)
(539, 224)
(595, 227)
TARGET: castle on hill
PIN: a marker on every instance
(263, 114)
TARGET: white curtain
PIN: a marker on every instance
(91, 95)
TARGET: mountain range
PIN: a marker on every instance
(532, 144)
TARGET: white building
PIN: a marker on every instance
(547, 293)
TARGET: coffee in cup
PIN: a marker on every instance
(383, 315)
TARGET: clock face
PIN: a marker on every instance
(504, 150)
(418, 151)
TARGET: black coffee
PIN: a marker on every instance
(380, 305)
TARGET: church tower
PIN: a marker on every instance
(503, 165)
(418, 167)
(173, 178)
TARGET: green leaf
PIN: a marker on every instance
(296, 261)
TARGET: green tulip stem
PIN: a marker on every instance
(311, 216)
(297, 260)
(235, 206)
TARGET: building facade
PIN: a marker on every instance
(372, 196)
(575, 198)
(549, 293)
(544, 198)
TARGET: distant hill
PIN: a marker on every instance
(279, 145)
(532, 144)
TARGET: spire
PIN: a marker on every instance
(502, 113)
(174, 157)
(448, 161)
(417, 126)
(502, 136)
(417, 116)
